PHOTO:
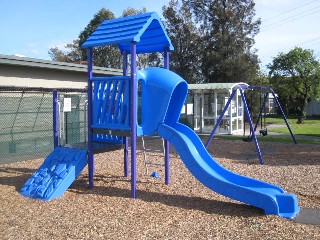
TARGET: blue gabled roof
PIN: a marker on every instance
(145, 29)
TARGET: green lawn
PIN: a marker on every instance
(311, 127)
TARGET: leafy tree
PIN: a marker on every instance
(185, 37)
(228, 28)
(297, 74)
(106, 56)
(146, 59)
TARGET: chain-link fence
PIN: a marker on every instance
(26, 122)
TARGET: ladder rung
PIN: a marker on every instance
(155, 164)
(153, 150)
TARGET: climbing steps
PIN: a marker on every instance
(56, 174)
(155, 146)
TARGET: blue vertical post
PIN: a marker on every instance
(261, 110)
(89, 119)
(166, 143)
(55, 119)
(126, 147)
(133, 119)
(220, 118)
(251, 126)
(283, 115)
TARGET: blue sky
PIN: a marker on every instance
(32, 27)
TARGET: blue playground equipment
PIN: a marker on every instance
(241, 87)
(112, 111)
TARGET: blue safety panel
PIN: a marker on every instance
(56, 174)
(107, 138)
(145, 29)
(203, 166)
(111, 103)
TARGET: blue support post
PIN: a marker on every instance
(89, 113)
(283, 115)
(220, 118)
(55, 119)
(251, 126)
(126, 147)
(133, 118)
(166, 143)
(261, 110)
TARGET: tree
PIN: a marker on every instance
(297, 73)
(107, 56)
(228, 34)
(185, 37)
(146, 59)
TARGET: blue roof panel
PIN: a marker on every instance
(145, 29)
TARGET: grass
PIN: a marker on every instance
(272, 139)
(311, 126)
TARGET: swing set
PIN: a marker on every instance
(253, 127)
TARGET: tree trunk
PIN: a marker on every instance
(303, 113)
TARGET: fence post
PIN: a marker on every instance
(55, 119)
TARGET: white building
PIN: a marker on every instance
(205, 103)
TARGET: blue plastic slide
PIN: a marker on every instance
(202, 165)
(56, 174)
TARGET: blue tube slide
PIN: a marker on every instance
(272, 199)
(163, 96)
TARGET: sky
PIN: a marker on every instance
(31, 27)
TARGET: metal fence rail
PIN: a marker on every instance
(26, 122)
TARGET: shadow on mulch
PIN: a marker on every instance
(80, 186)
(209, 206)
(23, 174)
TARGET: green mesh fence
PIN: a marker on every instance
(26, 123)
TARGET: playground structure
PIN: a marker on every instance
(112, 118)
(241, 87)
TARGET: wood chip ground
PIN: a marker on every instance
(185, 209)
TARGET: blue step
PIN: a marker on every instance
(58, 171)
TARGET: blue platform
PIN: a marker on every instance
(56, 174)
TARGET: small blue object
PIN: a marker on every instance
(56, 174)
(155, 175)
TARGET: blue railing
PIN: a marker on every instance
(111, 103)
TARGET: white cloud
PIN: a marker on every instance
(60, 43)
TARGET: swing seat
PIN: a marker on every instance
(247, 139)
(263, 132)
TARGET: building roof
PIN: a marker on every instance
(145, 29)
(39, 63)
(216, 86)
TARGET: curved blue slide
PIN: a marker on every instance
(203, 166)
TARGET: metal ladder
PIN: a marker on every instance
(153, 148)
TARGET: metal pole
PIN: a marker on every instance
(166, 143)
(133, 119)
(220, 118)
(90, 147)
(125, 139)
(55, 119)
(260, 113)
(251, 126)
(283, 115)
